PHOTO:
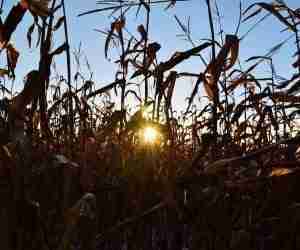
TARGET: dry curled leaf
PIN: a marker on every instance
(224, 61)
(12, 56)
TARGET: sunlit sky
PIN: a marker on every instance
(163, 29)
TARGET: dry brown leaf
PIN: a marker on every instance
(221, 63)
(12, 56)
(119, 24)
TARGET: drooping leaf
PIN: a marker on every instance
(105, 89)
(29, 34)
(248, 80)
(108, 40)
(11, 22)
(194, 92)
(59, 23)
(60, 49)
(130, 91)
(12, 57)
(225, 59)
(274, 10)
(179, 57)
(242, 78)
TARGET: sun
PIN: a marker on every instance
(150, 135)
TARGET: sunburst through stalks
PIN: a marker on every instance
(150, 135)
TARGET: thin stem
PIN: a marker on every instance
(227, 114)
(275, 102)
(44, 69)
(212, 30)
(145, 54)
(215, 99)
(68, 68)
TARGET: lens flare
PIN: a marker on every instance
(150, 135)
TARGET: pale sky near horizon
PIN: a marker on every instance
(163, 29)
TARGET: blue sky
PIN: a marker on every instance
(163, 29)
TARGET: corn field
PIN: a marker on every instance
(80, 169)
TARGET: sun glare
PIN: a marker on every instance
(150, 135)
